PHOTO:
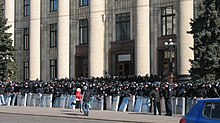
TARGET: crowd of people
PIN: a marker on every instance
(123, 86)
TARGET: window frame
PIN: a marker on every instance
(123, 19)
(26, 39)
(53, 5)
(83, 3)
(53, 68)
(26, 70)
(26, 8)
(53, 35)
(164, 20)
(83, 29)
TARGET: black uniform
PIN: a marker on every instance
(155, 96)
(167, 94)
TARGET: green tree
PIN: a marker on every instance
(206, 32)
(7, 51)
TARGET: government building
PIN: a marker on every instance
(83, 38)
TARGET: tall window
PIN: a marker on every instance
(53, 69)
(168, 20)
(83, 31)
(53, 5)
(26, 38)
(83, 2)
(53, 35)
(26, 70)
(123, 26)
(2, 9)
(26, 7)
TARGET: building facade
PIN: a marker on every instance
(73, 38)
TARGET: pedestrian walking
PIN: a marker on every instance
(86, 99)
(79, 98)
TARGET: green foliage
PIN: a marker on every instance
(206, 33)
(7, 51)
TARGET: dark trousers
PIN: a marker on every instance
(79, 105)
(168, 106)
(85, 107)
(157, 107)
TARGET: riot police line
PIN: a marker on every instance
(128, 93)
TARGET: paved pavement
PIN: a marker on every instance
(105, 115)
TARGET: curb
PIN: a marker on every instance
(76, 117)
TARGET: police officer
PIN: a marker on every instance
(155, 97)
(167, 94)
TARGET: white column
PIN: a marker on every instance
(35, 15)
(96, 42)
(184, 41)
(63, 38)
(10, 15)
(142, 43)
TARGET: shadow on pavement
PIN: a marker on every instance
(66, 111)
(73, 114)
(70, 112)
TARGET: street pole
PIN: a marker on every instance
(170, 45)
(171, 61)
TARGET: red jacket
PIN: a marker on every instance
(78, 96)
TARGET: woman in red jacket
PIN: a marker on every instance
(79, 98)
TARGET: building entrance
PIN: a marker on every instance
(123, 69)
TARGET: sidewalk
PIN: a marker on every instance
(131, 117)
